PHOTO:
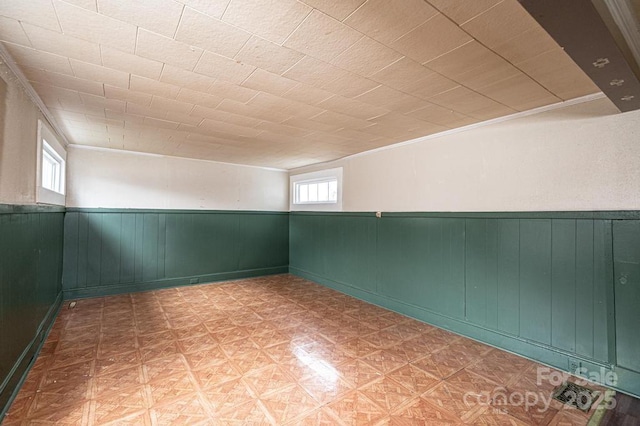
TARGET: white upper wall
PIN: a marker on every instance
(121, 179)
(580, 157)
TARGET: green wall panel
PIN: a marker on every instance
(115, 251)
(421, 260)
(540, 284)
(508, 275)
(30, 286)
(627, 292)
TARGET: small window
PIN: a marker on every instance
(319, 191)
(52, 167)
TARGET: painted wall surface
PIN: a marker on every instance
(116, 179)
(30, 287)
(580, 157)
(18, 127)
(538, 284)
(119, 251)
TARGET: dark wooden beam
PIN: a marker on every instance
(578, 28)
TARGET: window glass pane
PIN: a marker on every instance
(52, 167)
(333, 190)
(48, 171)
(313, 192)
(303, 193)
(323, 191)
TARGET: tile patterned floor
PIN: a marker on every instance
(271, 350)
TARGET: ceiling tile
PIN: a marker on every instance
(443, 36)
(461, 59)
(231, 91)
(341, 120)
(153, 87)
(54, 42)
(269, 102)
(99, 101)
(163, 49)
(214, 8)
(252, 111)
(139, 98)
(38, 59)
(487, 73)
(133, 64)
(85, 4)
(64, 81)
(366, 57)
(386, 97)
(159, 16)
(161, 123)
(227, 117)
(186, 79)
(63, 97)
(409, 76)
(502, 22)
(100, 74)
(559, 74)
(337, 9)
(200, 30)
(322, 37)
(217, 66)
(91, 26)
(492, 111)
(473, 65)
(519, 92)
(36, 12)
(528, 44)
(265, 81)
(305, 123)
(352, 107)
(11, 31)
(464, 100)
(171, 105)
(349, 85)
(442, 116)
(314, 72)
(267, 55)
(393, 120)
(407, 104)
(221, 128)
(194, 97)
(307, 94)
(283, 129)
(461, 11)
(387, 21)
(270, 19)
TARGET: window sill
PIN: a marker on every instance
(46, 196)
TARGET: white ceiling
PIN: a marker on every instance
(281, 83)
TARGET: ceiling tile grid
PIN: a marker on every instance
(281, 83)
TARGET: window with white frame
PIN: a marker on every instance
(51, 168)
(316, 191)
(320, 190)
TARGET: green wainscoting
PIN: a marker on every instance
(109, 251)
(31, 240)
(537, 284)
